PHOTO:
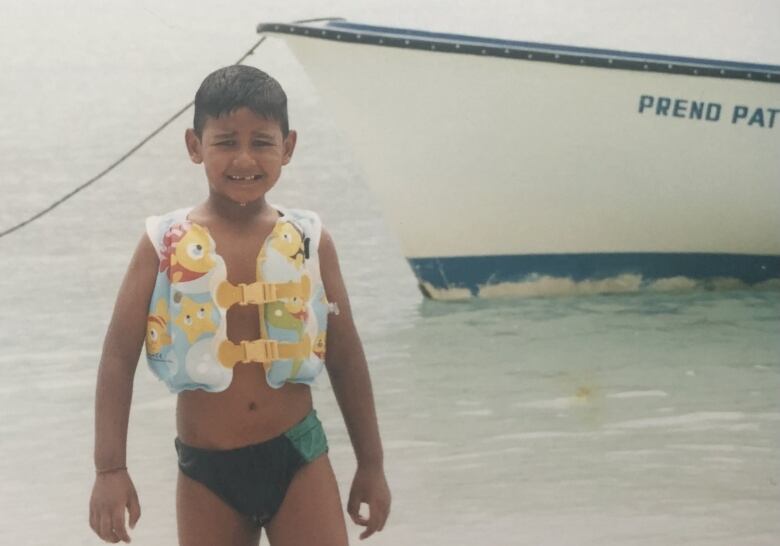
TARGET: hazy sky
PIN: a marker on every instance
(733, 29)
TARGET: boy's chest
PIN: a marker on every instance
(240, 255)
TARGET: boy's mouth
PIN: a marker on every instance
(245, 178)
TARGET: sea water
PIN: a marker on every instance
(638, 419)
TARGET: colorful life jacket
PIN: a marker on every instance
(186, 329)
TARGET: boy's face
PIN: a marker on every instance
(242, 152)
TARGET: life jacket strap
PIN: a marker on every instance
(262, 351)
(257, 293)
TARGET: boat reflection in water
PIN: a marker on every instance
(514, 168)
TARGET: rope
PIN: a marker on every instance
(111, 167)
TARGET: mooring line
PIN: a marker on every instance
(111, 167)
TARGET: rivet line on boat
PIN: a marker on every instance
(507, 51)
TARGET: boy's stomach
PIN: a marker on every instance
(249, 411)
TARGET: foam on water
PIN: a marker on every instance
(621, 284)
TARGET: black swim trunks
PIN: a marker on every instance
(254, 479)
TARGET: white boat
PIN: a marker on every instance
(514, 168)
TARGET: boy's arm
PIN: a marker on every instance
(113, 490)
(348, 372)
(121, 349)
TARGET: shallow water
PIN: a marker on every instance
(635, 419)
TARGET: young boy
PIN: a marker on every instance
(235, 299)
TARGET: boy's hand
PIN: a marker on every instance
(370, 487)
(111, 494)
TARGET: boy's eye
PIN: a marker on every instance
(226, 142)
(262, 143)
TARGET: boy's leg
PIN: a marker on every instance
(311, 511)
(205, 519)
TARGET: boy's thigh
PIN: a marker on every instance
(205, 519)
(311, 511)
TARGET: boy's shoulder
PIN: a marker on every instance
(299, 215)
(157, 226)
(308, 221)
(176, 215)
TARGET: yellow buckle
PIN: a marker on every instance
(260, 350)
(257, 292)
(229, 294)
(263, 351)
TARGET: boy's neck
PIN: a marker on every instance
(232, 211)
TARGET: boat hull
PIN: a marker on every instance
(520, 176)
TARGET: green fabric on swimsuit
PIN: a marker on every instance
(308, 437)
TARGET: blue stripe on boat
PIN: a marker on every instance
(473, 272)
(344, 31)
(477, 40)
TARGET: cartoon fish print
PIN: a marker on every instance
(157, 329)
(288, 240)
(195, 319)
(297, 308)
(297, 305)
(186, 252)
(319, 346)
(291, 313)
(278, 316)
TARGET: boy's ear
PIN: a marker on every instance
(289, 146)
(193, 146)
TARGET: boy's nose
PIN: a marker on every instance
(244, 158)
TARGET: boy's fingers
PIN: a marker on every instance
(118, 526)
(370, 530)
(372, 525)
(385, 515)
(134, 508)
(379, 515)
(106, 532)
(353, 509)
(93, 521)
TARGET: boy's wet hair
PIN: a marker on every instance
(240, 86)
